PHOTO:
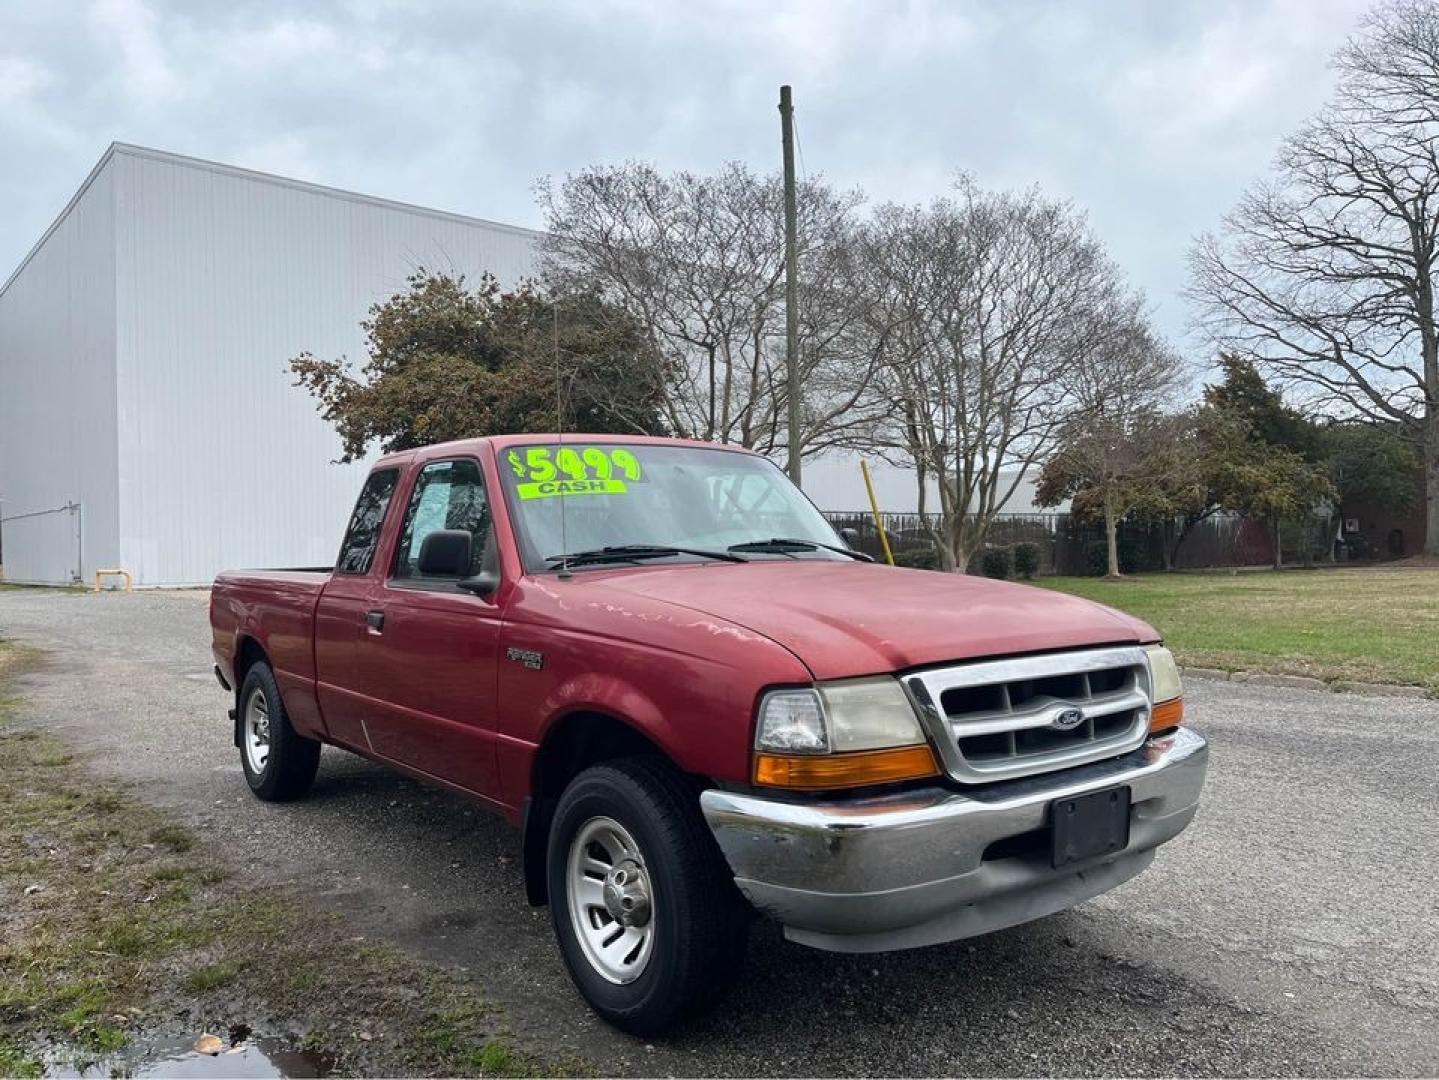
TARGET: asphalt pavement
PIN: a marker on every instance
(1294, 928)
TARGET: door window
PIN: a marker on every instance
(363, 536)
(447, 495)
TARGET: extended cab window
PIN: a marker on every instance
(447, 495)
(363, 535)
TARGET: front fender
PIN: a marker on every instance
(698, 712)
(616, 697)
(685, 681)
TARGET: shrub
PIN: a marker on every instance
(918, 558)
(1026, 559)
(1133, 556)
(1096, 558)
(996, 562)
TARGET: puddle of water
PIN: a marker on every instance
(257, 1057)
(253, 1057)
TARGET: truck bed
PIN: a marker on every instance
(277, 609)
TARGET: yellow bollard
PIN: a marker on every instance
(874, 509)
(129, 582)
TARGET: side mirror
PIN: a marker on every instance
(446, 553)
(482, 584)
(850, 536)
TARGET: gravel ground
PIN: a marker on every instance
(1291, 929)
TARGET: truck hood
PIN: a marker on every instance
(850, 619)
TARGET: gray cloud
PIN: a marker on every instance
(1153, 115)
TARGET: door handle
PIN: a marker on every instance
(375, 621)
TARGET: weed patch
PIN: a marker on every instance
(112, 924)
(212, 977)
(16, 1061)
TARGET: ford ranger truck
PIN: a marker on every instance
(657, 659)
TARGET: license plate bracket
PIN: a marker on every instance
(1088, 826)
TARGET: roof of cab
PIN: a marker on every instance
(503, 442)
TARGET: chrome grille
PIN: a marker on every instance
(997, 719)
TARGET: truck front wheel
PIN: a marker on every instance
(279, 762)
(648, 918)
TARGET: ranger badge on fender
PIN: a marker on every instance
(528, 657)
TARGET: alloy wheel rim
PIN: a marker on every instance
(257, 731)
(611, 904)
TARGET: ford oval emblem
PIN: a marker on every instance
(1068, 720)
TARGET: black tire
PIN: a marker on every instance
(700, 922)
(289, 768)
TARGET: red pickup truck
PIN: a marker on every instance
(697, 702)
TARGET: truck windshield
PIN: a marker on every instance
(651, 497)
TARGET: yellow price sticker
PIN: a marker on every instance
(545, 471)
(546, 489)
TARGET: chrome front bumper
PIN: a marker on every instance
(900, 871)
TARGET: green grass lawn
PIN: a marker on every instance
(1371, 625)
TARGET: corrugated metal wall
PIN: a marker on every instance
(57, 396)
(223, 276)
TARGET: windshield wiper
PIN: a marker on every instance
(785, 544)
(635, 552)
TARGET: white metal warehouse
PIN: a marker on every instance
(147, 417)
(148, 420)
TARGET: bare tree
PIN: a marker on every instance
(700, 260)
(977, 309)
(1326, 273)
(1118, 451)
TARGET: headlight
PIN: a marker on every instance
(1163, 674)
(840, 734)
(791, 722)
(1165, 688)
(866, 714)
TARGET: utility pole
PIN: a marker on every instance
(791, 283)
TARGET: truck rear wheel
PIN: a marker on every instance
(279, 763)
(647, 915)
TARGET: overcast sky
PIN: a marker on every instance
(1152, 114)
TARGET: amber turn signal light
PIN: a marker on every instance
(818, 771)
(1166, 716)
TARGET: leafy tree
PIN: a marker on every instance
(1112, 470)
(1371, 462)
(1244, 396)
(1258, 456)
(1116, 454)
(1270, 483)
(1181, 495)
(450, 362)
